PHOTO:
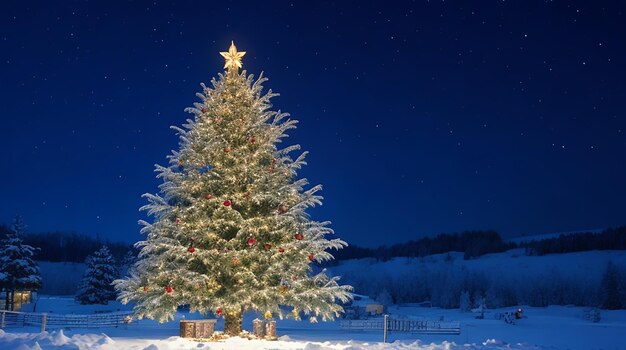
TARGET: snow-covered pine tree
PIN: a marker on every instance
(465, 302)
(18, 270)
(610, 288)
(96, 285)
(230, 231)
(384, 298)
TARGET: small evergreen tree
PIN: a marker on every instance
(96, 287)
(465, 302)
(18, 270)
(610, 288)
(479, 305)
(384, 298)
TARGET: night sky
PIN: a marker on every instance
(420, 117)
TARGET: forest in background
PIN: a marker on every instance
(68, 246)
(474, 244)
(451, 287)
(74, 247)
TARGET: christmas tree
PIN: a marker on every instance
(18, 270)
(96, 287)
(230, 231)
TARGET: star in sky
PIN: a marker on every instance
(477, 110)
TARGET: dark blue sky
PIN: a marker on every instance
(421, 117)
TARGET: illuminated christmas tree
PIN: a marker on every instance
(230, 231)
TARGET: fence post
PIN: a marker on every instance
(43, 322)
(385, 328)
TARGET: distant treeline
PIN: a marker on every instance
(476, 243)
(74, 247)
(609, 239)
(472, 243)
(68, 246)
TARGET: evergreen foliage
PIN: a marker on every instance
(611, 288)
(477, 243)
(472, 243)
(72, 246)
(443, 283)
(609, 239)
(384, 298)
(18, 270)
(230, 231)
(96, 285)
(465, 303)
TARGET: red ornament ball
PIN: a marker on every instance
(203, 109)
(169, 289)
(145, 288)
(267, 246)
(227, 203)
(219, 311)
(251, 139)
(251, 241)
(246, 195)
(281, 249)
(208, 196)
(311, 257)
(299, 236)
(191, 249)
(226, 149)
(178, 220)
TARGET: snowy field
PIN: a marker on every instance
(555, 327)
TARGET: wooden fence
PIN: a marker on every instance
(403, 325)
(21, 319)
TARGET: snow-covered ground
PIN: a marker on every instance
(555, 327)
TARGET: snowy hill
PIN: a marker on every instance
(522, 239)
(505, 279)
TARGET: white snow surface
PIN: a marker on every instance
(58, 340)
(554, 327)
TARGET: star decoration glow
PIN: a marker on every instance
(232, 57)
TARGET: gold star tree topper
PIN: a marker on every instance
(232, 57)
